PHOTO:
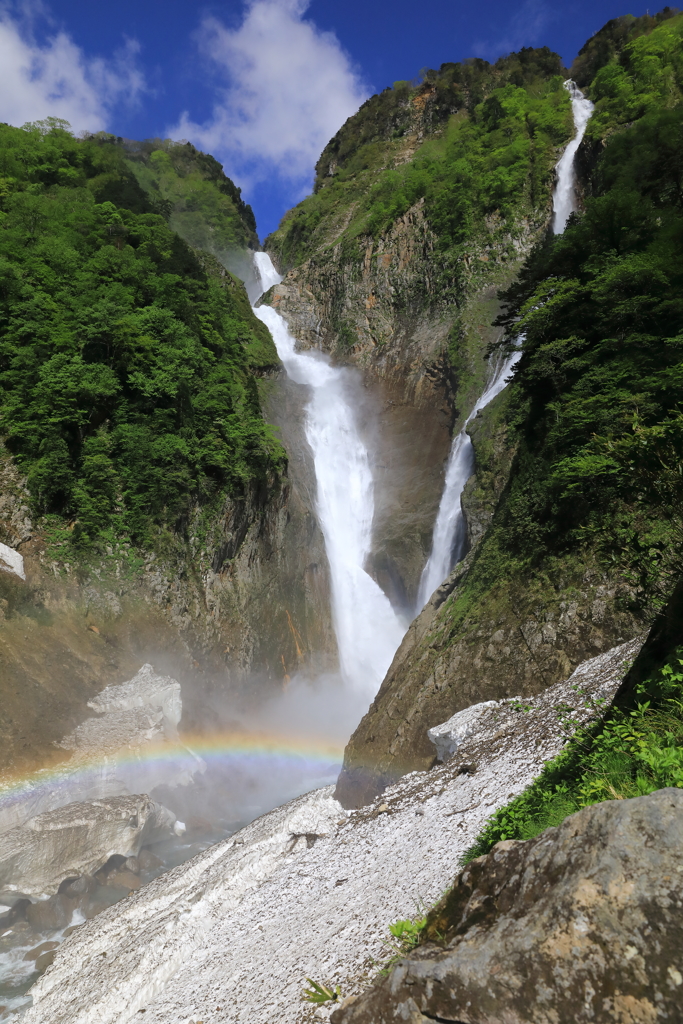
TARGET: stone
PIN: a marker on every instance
(149, 861)
(123, 879)
(45, 960)
(44, 947)
(51, 915)
(582, 924)
(75, 888)
(76, 840)
(450, 735)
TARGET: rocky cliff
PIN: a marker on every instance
(551, 582)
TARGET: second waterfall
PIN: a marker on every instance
(367, 628)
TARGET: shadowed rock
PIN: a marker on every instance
(583, 923)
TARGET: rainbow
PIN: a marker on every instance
(143, 767)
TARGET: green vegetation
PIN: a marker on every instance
(595, 406)
(127, 361)
(635, 750)
(494, 133)
(319, 993)
(203, 205)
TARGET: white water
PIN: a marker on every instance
(564, 196)
(367, 628)
(448, 539)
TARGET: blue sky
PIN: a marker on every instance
(262, 85)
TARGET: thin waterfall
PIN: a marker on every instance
(449, 537)
(564, 195)
(367, 628)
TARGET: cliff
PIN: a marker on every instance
(428, 204)
(150, 500)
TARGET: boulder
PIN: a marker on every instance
(36, 857)
(582, 924)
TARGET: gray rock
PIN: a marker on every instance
(582, 924)
(76, 840)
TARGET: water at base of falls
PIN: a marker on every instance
(448, 539)
(564, 195)
(367, 628)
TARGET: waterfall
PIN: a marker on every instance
(448, 539)
(367, 628)
(564, 195)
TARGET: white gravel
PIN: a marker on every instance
(307, 890)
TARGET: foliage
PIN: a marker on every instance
(125, 378)
(319, 993)
(632, 752)
(644, 71)
(598, 388)
(204, 206)
(494, 133)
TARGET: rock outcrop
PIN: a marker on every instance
(308, 890)
(110, 752)
(77, 840)
(518, 641)
(583, 923)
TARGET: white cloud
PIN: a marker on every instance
(56, 79)
(285, 89)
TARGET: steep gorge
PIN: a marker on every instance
(377, 274)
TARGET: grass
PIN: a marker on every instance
(633, 751)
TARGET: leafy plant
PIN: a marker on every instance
(319, 993)
(632, 752)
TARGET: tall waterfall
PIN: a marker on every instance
(448, 540)
(367, 628)
(564, 196)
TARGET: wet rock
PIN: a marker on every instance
(75, 840)
(16, 913)
(45, 960)
(124, 880)
(133, 864)
(44, 947)
(582, 924)
(75, 888)
(149, 861)
(51, 915)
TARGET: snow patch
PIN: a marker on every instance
(451, 734)
(11, 561)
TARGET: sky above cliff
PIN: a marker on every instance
(261, 85)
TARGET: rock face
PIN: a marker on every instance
(77, 840)
(246, 597)
(109, 753)
(584, 923)
(515, 643)
(307, 890)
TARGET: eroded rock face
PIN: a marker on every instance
(77, 840)
(584, 923)
(512, 644)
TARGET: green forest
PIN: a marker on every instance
(495, 131)
(128, 361)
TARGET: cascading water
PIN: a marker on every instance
(448, 541)
(367, 628)
(564, 196)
